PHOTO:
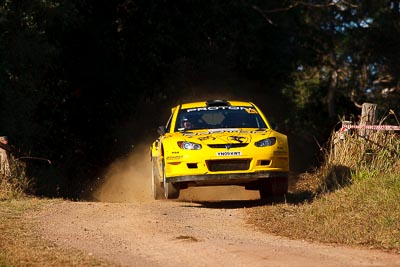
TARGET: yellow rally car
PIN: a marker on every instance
(219, 142)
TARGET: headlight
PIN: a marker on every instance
(189, 145)
(266, 142)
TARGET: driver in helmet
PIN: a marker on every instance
(186, 124)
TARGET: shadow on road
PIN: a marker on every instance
(290, 198)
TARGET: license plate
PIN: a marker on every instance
(229, 153)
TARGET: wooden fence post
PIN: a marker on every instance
(368, 111)
(4, 163)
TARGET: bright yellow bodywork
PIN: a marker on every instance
(227, 143)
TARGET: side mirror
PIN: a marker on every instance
(273, 126)
(161, 130)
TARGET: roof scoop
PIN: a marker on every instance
(217, 103)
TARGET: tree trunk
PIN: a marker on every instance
(331, 94)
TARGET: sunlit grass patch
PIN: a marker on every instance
(355, 196)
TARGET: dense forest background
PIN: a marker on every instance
(85, 81)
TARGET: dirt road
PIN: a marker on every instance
(202, 228)
(168, 233)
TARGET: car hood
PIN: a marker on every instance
(225, 136)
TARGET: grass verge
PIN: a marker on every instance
(364, 214)
(352, 199)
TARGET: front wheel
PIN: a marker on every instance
(156, 187)
(274, 187)
(171, 191)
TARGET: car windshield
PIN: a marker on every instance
(218, 117)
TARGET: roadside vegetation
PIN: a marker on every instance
(352, 199)
(17, 185)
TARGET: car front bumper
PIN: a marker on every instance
(226, 179)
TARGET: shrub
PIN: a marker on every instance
(15, 185)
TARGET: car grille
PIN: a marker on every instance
(228, 165)
(229, 145)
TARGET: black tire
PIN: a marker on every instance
(274, 187)
(156, 186)
(171, 191)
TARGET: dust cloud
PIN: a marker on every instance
(129, 180)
